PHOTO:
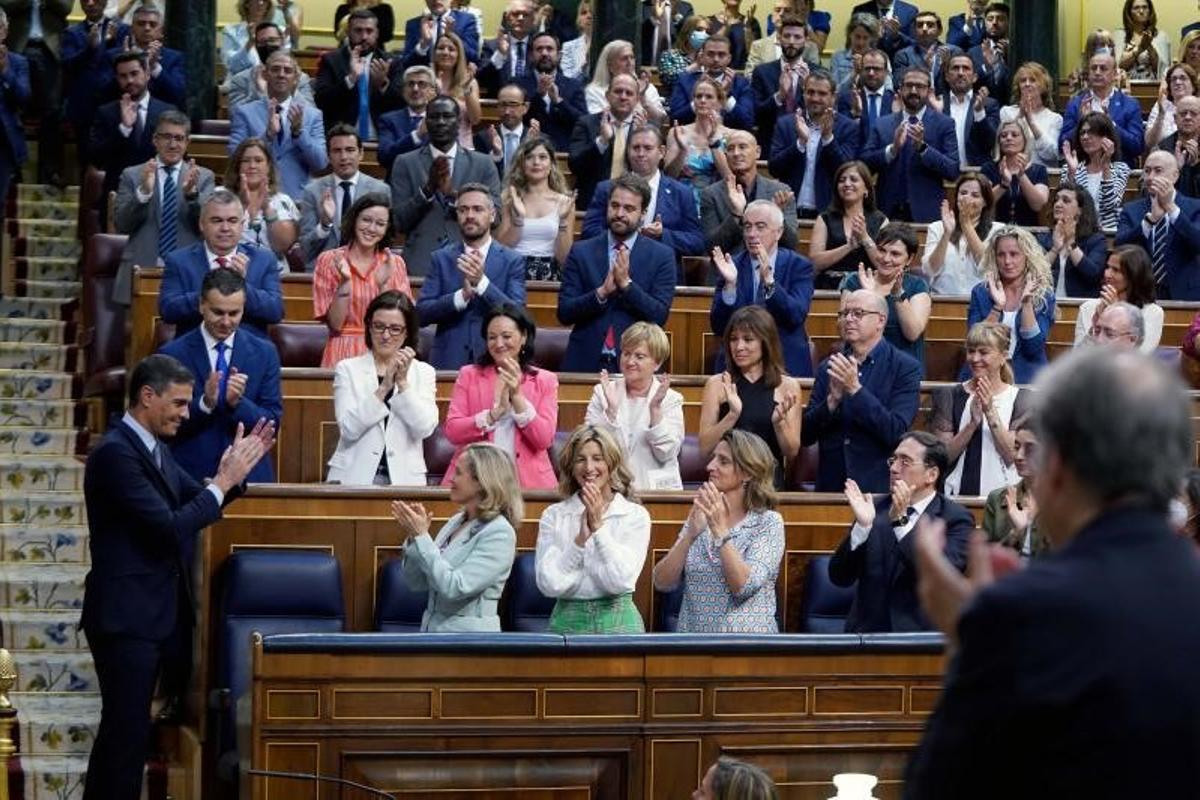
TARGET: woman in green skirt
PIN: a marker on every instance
(592, 545)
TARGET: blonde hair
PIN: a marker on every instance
(649, 334)
(717, 88)
(1039, 74)
(601, 76)
(461, 74)
(619, 476)
(755, 460)
(997, 336)
(499, 489)
(1037, 268)
(1022, 126)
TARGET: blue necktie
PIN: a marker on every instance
(519, 62)
(364, 106)
(872, 110)
(222, 367)
(1158, 248)
(168, 219)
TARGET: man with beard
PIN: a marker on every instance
(425, 183)
(723, 204)
(1103, 96)
(778, 86)
(912, 151)
(810, 144)
(868, 97)
(250, 84)
(468, 279)
(599, 141)
(991, 55)
(353, 85)
(613, 280)
(87, 70)
(713, 60)
(555, 100)
(976, 116)
(507, 58)
(1184, 144)
(964, 31)
(927, 51)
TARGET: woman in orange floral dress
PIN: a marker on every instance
(348, 278)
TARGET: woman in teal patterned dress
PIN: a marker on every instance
(696, 151)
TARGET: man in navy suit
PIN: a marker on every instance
(896, 19)
(781, 281)
(876, 557)
(293, 130)
(976, 116)
(504, 140)
(509, 57)
(1167, 224)
(1184, 144)
(421, 33)
(466, 280)
(236, 379)
(868, 98)
(597, 136)
(123, 130)
(164, 65)
(927, 50)
(778, 86)
(613, 280)
(1103, 96)
(991, 55)
(555, 100)
(221, 221)
(671, 216)
(863, 399)
(912, 151)
(355, 82)
(809, 145)
(403, 130)
(87, 69)
(144, 514)
(714, 57)
(1087, 655)
(964, 31)
(14, 95)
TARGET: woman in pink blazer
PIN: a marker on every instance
(505, 400)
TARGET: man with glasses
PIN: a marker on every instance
(403, 130)
(1184, 143)
(250, 83)
(928, 50)
(877, 556)
(1119, 325)
(326, 199)
(505, 139)
(869, 96)
(1167, 225)
(863, 399)
(158, 203)
(1102, 96)
(913, 151)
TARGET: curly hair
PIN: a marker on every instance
(516, 178)
(1037, 268)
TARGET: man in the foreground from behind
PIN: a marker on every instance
(1076, 677)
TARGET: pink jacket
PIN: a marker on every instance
(474, 391)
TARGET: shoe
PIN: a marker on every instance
(171, 712)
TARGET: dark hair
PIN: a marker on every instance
(821, 74)
(1088, 223)
(1139, 274)
(132, 55)
(927, 13)
(792, 20)
(898, 232)
(157, 371)
(226, 281)
(922, 70)
(1127, 19)
(514, 85)
(445, 98)
(986, 216)
(262, 26)
(545, 35)
(524, 323)
(392, 300)
(1191, 490)
(936, 455)
(835, 202)
(632, 182)
(1100, 125)
(361, 13)
(176, 118)
(342, 129)
(997, 6)
(759, 322)
(475, 186)
(233, 165)
(717, 38)
(638, 130)
(369, 200)
(875, 51)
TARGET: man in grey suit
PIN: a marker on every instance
(425, 180)
(249, 83)
(147, 194)
(327, 198)
(723, 203)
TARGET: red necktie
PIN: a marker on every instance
(610, 339)
(222, 261)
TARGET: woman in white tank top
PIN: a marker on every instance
(536, 211)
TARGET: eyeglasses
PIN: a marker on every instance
(379, 329)
(171, 137)
(904, 461)
(855, 314)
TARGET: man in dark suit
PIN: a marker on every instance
(778, 86)
(14, 94)
(808, 146)
(928, 50)
(88, 72)
(403, 130)
(964, 31)
(867, 98)
(597, 136)
(863, 399)
(613, 280)
(714, 57)
(505, 139)
(353, 84)
(41, 46)
(781, 281)
(221, 221)
(913, 152)
(164, 65)
(466, 280)
(508, 57)
(1184, 144)
(555, 100)
(123, 130)
(421, 33)
(896, 19)
(1167, 225)
(976, 116)
(236, 379)
(991, 55)
(144, 513)
(425, 182)
(1087, 655)
(876, 557)
(723, 203)
(671, 216)
(1103, 96)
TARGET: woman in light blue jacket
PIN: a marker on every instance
(465, 566)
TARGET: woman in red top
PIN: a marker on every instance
(348, 278)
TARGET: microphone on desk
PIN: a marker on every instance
(315, 778)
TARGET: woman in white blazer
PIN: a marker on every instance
(641, 410)
(465, 566)
(384, 401)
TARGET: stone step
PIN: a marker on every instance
(39, 442)
(33, 331)
(49, 208)
(33, 307)
(57, 725)
(59, 630)
(53, 777)
(61, 290)
(16, 413)
(50, 671)
(44, 191)
(23, 384)
(46, 587)
(42, 227)
(37, 474)
(48, 544)
(43, 508)
(48, 247)
(40, 357)
(47, 269)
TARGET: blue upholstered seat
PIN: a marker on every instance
(823, 606)
(398, 609)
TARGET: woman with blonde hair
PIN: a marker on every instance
(537, 211)
(691, 154)
(574, 61)
(617, 58)
(455, 79)
(1189, 50)
(1033, 109)
(465, 566)
(272, 218)
(1022, 185)
(641, 409)
(954, 245)
(728, 552)
(730, 779)
(973, 418)
(592, 545)
(237, 38)
(1017, 291)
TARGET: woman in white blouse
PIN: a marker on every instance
(591, 546)
(1033, 109)
(954, 244)
(574, 62)
(1179, 82)
(1129, 278)
(384, 401)
(616, 58)
(641, 409)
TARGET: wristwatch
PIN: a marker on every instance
(724, 540)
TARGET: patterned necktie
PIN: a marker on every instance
(519, 62)
(168, 219)
(347, 200)
(222, 366)
(789, 104)
(609, 351)
(1158, 252)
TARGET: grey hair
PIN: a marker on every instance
(876, 299)
(1133, 314)
(148, 8)
(773, 211)
(3, 17)
(221, 197)
(176, 118)
(419, 69)
(1120, 423)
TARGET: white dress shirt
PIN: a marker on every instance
(212, 257)
(609, 563)
(210, 346)
(460, 299)
(860, 534)
(143, 107)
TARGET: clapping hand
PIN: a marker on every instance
(296, 118)
(1108, 296)
(943, 589)
(328, 207)
(1072, 161)
(660, 394)
(737, 196)
(715, 507)
(148, 175)
(620, 269)
(783, 198)
(235, 387)
(238, 262)
(802, 132)
(129, 111)
(655, 229)
(861, 504)
(730, 395)
(1020, 515)
(400, 364)
(996, 291)
(612, 397)
(413, 518)
(783, 407)
(593, 508)
(844, 370)
(901, 498)
(245, 451)
(191, 178)
(949, 221)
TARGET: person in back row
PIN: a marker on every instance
(723, 204)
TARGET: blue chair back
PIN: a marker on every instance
(398, 609)
(666, 609)
(526, 609)
(824, 605)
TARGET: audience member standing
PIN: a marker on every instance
(1074, 245)
(14, 93)
(508, 58)
(713, 62)
(37, 28)
(869, 95)
(991, 55)
(927, 51)
(843, 237)
(537, 216)
(896, 21)
(164, 65)
(86, 68)
(555, 98)
(976, 115)
(1033, 109)
(1103, 97)
(421, 34)
(1022, 186)
(352, 84)
(403, 130)
(954, 245)
(1167, 224)
(600, 139)
(1184, 144)
(1093, 162)
(271, 216)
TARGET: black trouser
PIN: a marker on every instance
(45, 102)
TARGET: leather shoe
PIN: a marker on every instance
(171, 712)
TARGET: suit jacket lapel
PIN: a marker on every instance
(159, 474)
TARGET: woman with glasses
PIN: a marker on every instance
(537, 210)
(383, 401)
(272, 218)
(1010, 513)
(1093, 159)
(1180, 81)
(1128, 278)
(347, 278)
(954, 244)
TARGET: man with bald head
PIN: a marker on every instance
(723, 204)
(1167, 224)
(1103, 96)
(863, 400)
(1184, 144)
